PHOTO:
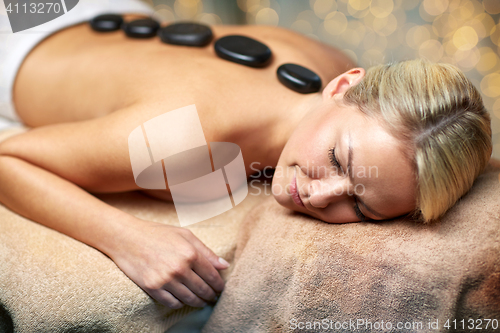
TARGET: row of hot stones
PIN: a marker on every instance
(236, 48)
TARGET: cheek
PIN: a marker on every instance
(301, 144)
(280, 188)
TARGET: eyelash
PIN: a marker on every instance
(358, 212)
(335, 163)
(332, 158)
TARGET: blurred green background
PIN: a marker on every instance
(465, 33)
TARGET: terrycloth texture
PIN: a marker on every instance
(52, 283)
(291, 269)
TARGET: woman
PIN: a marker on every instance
(84, 92)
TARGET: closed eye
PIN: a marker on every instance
(360, 215)
(333, 158)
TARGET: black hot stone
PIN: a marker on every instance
(243, 50)
(106, 22)
(299, 79)
(142, 28)
(187, 34)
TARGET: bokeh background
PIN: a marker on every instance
(465, 33)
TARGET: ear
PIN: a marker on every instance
(343, 82)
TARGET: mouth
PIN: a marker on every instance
(294, 192)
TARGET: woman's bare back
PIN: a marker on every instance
(96, 88)
(85, 92)
(78, 74)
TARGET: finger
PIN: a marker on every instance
(216, 261)
(183, 294)
(165, 298)
(199, 287)
(207, 272)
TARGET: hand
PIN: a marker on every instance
(171, 264)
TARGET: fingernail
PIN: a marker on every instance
(222, 261)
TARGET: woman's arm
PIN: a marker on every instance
(42, 173)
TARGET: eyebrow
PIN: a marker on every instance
(351, 177)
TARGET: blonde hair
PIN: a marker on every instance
(440, 118)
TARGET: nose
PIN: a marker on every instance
(324, 192)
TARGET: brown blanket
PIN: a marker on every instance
(297, 274)
(52, 283)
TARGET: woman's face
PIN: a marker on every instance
(342, 166)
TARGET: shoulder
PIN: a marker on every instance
(291, 46)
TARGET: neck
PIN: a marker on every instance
(299, 111)
(288, 120)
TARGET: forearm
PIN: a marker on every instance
(167, 262)
(61, 205)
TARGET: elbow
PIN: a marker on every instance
(8, 147)
(8, 156)
(3, 149)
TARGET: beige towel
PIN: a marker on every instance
(297, 274)
(52, 283)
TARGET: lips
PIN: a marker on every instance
(294, 192)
